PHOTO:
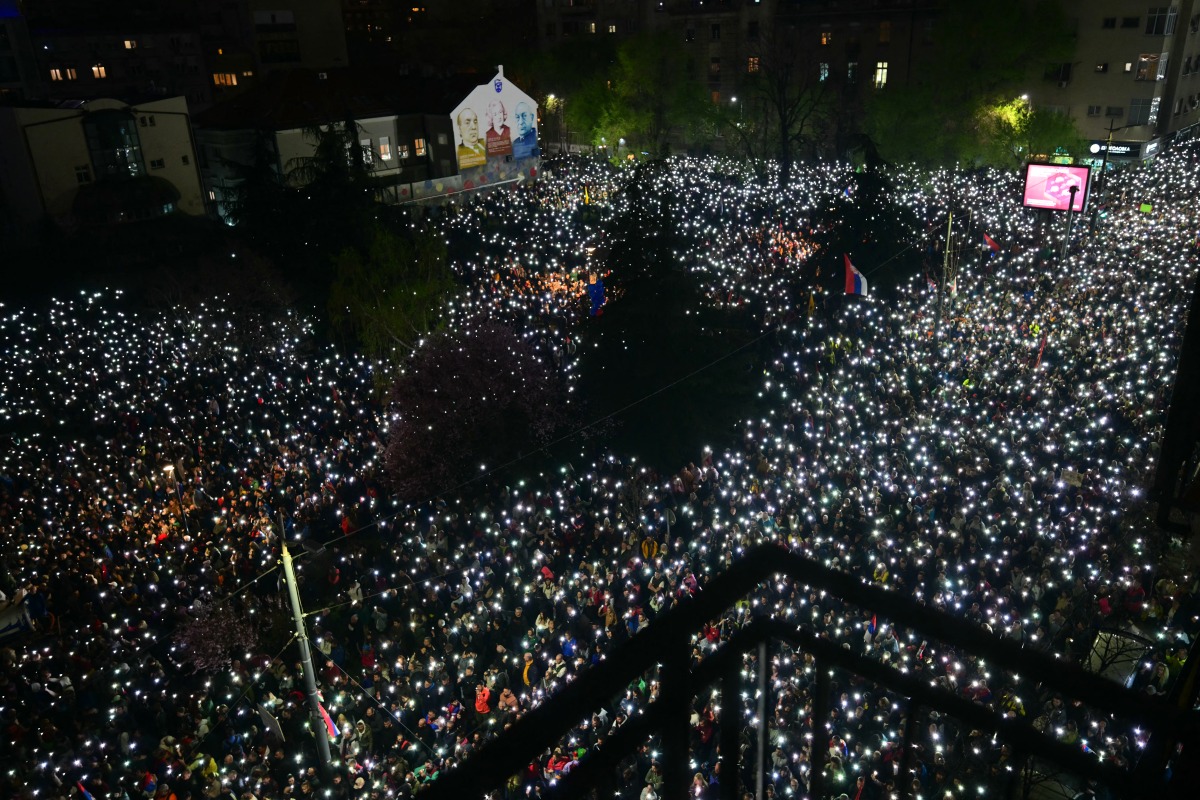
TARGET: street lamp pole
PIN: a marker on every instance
(1070, 210)
(316, 718)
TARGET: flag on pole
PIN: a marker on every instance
(330, 728)
(855, 282)
(86, 794)
(990, 242)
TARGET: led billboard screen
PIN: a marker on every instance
(1049, 186)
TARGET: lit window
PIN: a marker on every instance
(612, 28)
(419, 147)
(130, 44)
(99, 72)
(71, 74)
(823, 71)
(881, 69)
(1147, 67)
(248, 73)
(591, 27)
(385, 148)
(225, 79)
(443, 139)
(220, 51)
(56, 74)
(212, 195)
(402, 151)
(826, 38)
(716, 98)
(752, 64)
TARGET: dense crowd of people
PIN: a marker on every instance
(991, 464)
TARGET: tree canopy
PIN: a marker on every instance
(386, 294)
(468, 398)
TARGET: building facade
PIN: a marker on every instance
(1134, 79)
(403, 126)
(98, 162)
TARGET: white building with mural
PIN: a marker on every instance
(495, 134)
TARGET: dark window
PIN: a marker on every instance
(157, 163)
(1130, 22)
(1094, 111)
(1109, 22)
(1102, 68)
(1059, 73)
(1114, 111)
(1139, 111)
(714, 65)
(83, 174)
(715, 30)
(1160, 21)
(280, 52)
(689, 35)
(752, 31)
(186, 160)
(550, 30)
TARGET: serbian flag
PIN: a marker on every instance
(990, 242)
(855, 282)
(330, 728)
(874, 626)
(86, 794)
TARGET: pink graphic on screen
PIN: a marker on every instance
(1049, 186)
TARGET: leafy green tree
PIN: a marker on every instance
(985, 55)
(387, 295)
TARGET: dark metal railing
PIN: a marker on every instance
(666, 643)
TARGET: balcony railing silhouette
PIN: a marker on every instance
(1173, 724)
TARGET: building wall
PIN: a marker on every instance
(46, 155)
(1127, 73)
(170, 141)
(20, 199)
(299, 33)
(78, 64)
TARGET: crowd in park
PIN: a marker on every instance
(992, 463)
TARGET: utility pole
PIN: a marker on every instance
(1067, 233)
(317, 721)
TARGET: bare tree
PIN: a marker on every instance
(789, 100)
